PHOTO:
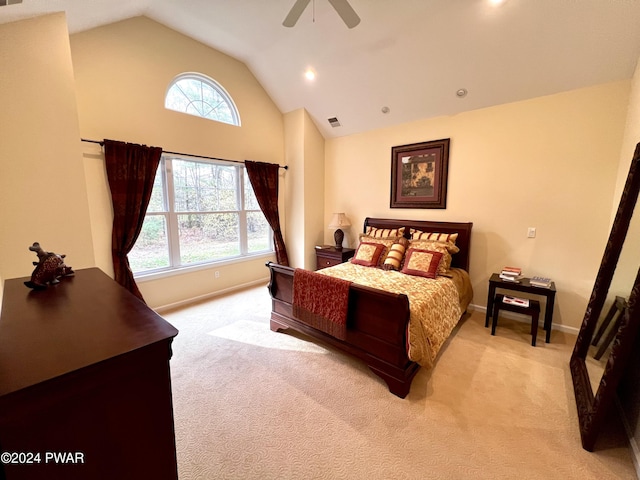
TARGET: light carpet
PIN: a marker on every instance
(250, 403)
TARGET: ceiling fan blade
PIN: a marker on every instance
(295, 12)
(348, 14)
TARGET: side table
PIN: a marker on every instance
(328, 256)
(523, 286)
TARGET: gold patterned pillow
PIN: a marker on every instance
(441, 247)
(384, 232)
(423, 263)
(368, 254)
(386, 241)
(395, 255)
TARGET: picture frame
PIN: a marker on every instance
(419, 173)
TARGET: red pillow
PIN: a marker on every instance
(423, 263)
(368, 254)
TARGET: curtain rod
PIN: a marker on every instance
(101, 143)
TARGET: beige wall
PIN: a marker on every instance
(549, 163)
(122, 73)
(294, 187)
(314, 184)
(43, 193)
(631, 137)
(304, 189)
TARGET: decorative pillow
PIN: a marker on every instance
(384, 232)
(432, 237)
(386, 241)
(438, 237)
(423, 263)
(368, 254)
(395, 255)
(440, 247)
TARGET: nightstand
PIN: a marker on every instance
(327, 256)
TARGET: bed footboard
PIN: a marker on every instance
(376, 327)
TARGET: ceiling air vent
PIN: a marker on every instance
(333, 121)
(9, 2)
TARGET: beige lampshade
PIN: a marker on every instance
(339, 220)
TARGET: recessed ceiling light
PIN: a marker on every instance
(385, 109)
(310, 74)
(496, 2)
(461, 92)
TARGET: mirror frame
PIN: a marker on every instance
(592, 409)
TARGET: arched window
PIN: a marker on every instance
(201, 96)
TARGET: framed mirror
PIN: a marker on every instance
(600, 356)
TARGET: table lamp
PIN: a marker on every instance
(339, 221)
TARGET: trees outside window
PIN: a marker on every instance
(200, 212)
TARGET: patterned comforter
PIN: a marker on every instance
(435, 305)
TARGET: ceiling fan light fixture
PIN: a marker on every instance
(342, 7)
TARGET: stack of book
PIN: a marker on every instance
(540, 282)
(511, 274)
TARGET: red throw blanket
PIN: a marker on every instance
(321, 301)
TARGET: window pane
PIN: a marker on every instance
(258, 233)
(176, 99)
(250, 202)
(206, 237)
(192, 89)
(204, 187)
(157, 203)
(203, 97)
(216, 107)
(152, 249)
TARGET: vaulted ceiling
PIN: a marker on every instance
(410, 56)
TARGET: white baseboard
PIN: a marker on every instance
(527, 319)
(208, 296)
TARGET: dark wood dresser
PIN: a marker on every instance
(85, 388)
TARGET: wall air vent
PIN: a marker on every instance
(333, 121)
(9, 2)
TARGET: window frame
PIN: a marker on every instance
(219, 89)
(170, 215)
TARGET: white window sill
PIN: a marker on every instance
(156, 275)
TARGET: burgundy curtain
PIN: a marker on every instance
(131, 171)
(264, 180)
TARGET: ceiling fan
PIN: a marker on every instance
(346, 12)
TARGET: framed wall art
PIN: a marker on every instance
(419, 175)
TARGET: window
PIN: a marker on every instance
(201, 96)
(200, 212)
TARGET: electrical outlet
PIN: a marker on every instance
(531, 233)
(216, 274)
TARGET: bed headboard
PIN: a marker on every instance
(463, 229)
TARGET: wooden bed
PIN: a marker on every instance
(376, 320)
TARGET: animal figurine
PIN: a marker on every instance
(49, 268)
